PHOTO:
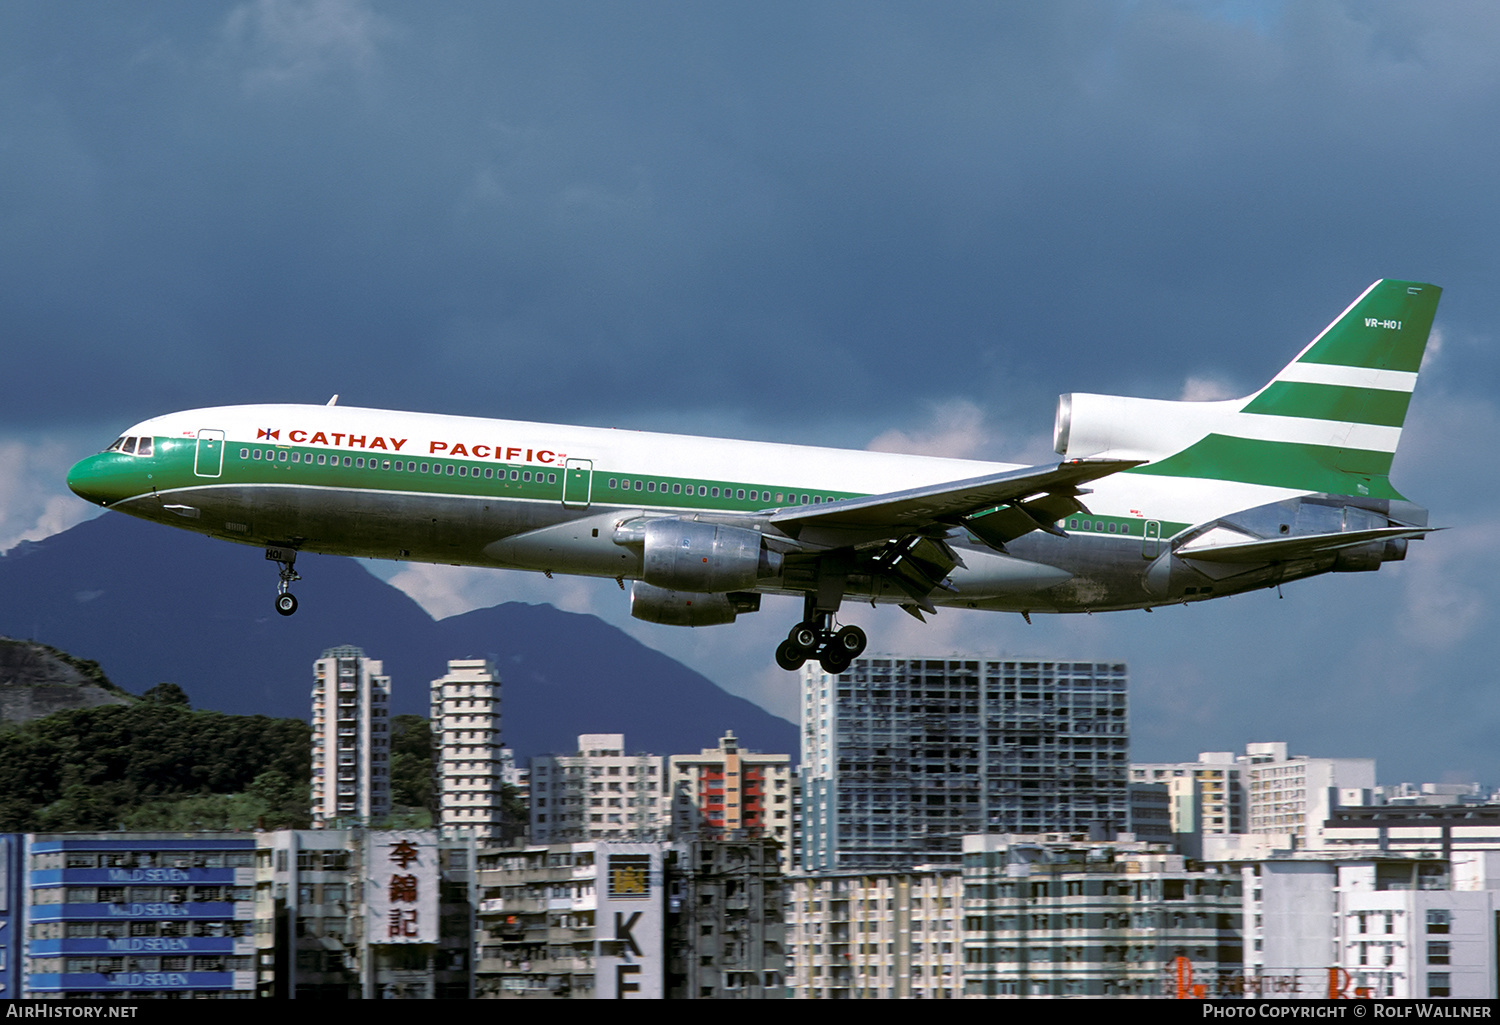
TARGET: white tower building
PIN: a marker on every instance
(600, 793)
(351, 755)
(466, 742)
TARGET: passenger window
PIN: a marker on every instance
(714, 492)
(244, 453)
(348, 461)
(321, 458)
(257, 453)
(740, 494)
(424, 467)
(489, 471)
(551, 478)
(463, 471)
(450, 469)
(676, 489)
(651, 485)
(514, 474)
(359, 464)
(613, 483)
(386, 465)
(411, 467)
(526, 477)
(296, 457)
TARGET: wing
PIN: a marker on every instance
(997, 508)
(899, 536)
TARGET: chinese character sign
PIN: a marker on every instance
(401, 887)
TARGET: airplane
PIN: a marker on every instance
(1186, 501)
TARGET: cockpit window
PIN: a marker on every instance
(133, 446)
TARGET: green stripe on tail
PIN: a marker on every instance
(1332, 402)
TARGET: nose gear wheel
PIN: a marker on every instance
(285, 559)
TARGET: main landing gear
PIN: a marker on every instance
(285, 559)
(816, 638)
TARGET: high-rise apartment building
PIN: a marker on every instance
(903, 756)
(877, 935)
(466, 749)
(1296, 794)
(1068, 916)
(350, 913)
(726, 791)
(599, 793)
(139, 915)
(1205, 798)
(351, 754)
(701, 919)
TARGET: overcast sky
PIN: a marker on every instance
(870, 225)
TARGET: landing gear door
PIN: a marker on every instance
(578, 483)
(210, 458)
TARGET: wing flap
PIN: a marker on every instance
(1306, 546)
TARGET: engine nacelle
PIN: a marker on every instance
(1129, 428)
(686, 555)
(687, 608)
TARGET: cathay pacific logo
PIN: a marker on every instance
(263, 433)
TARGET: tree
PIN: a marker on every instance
(411, 762)
(167, 694)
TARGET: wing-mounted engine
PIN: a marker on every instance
(1285, 541)
(699, 557)
(685, 608)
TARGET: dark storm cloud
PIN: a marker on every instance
(815, 223)
(728, 208)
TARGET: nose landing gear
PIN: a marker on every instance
(816, 638)
(285, 559)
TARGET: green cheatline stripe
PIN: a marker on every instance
(1387, 330)
(1281, 464)
(174, 461)
(1332, 402)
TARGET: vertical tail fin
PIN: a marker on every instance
(1362, 367)
(1328, 422)
(1342, 402)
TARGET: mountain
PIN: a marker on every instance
(152, 605)
(36, 681)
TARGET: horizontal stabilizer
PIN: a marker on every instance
(1306, 546)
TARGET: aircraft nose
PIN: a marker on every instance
(86, 481)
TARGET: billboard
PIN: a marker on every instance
(401, 886)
